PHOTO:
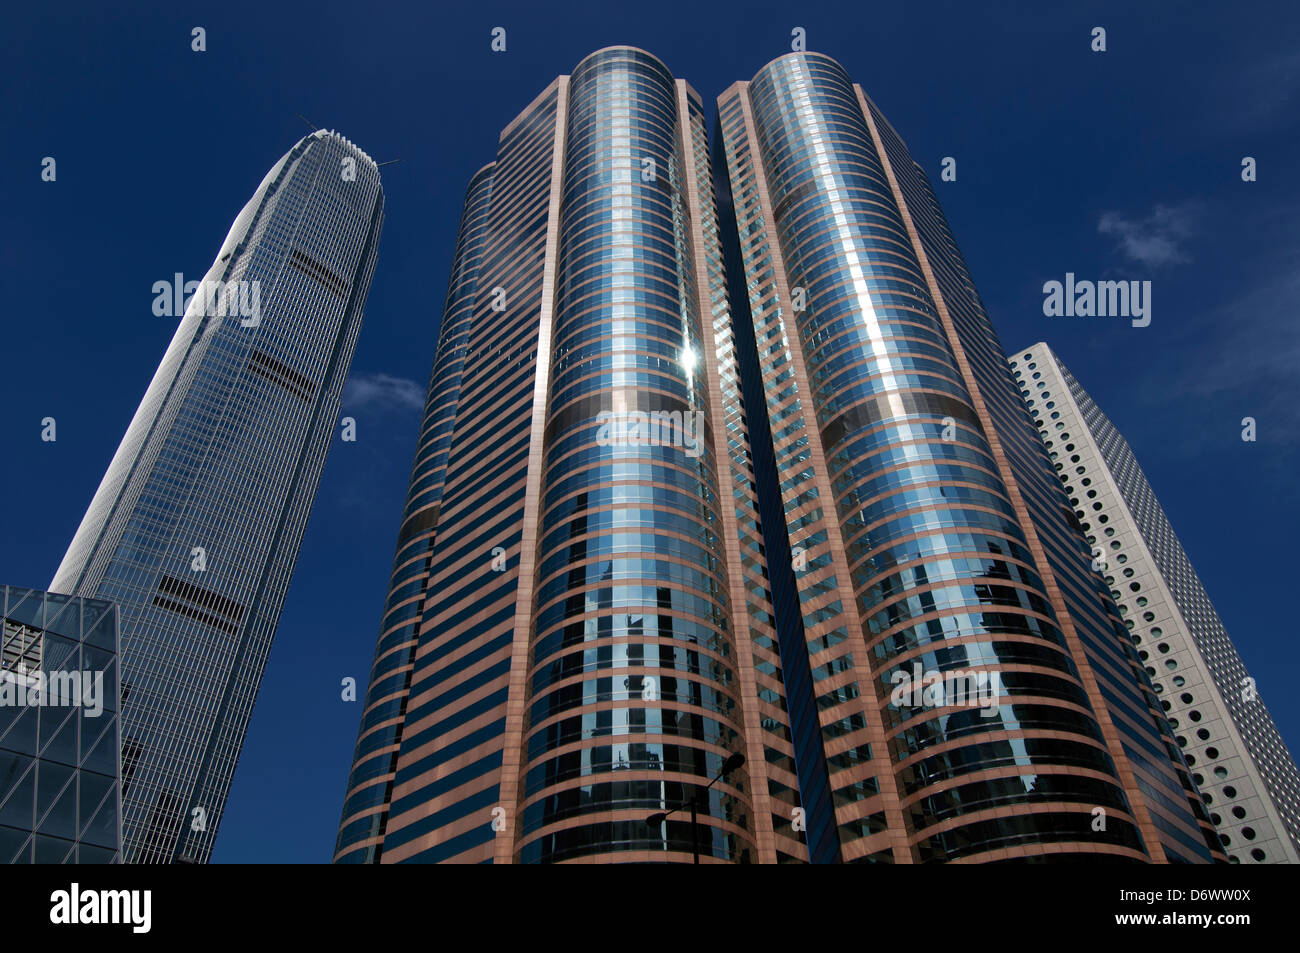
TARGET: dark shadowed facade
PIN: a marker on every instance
(59, 794)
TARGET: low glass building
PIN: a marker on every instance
(59, 793)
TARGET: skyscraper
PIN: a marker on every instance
(936, 538)
(558, 657)
(1240, 761)
(370, 785)
(704, 476)
(195, 528)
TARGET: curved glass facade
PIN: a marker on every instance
(1161, 797)
(632, 689)
(920, 565)
(574, 668)
(195, 529)
(365, 806)
(733, 473)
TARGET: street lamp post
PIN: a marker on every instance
(654, 820)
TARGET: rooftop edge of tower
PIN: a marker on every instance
(330, 133)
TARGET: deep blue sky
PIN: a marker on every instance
(158, 148)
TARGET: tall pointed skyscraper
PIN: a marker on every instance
(1239, 759)
(196, 526)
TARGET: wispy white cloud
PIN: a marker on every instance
(1156, 239)
(1242, 352)
(382, 391)
(1254, 337)
(1268, 88)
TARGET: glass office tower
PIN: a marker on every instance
(1241, 763)
(935, 536)
(195, 529)
(585, 621)
(558, 658)
(58, 729)
(370, 785)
